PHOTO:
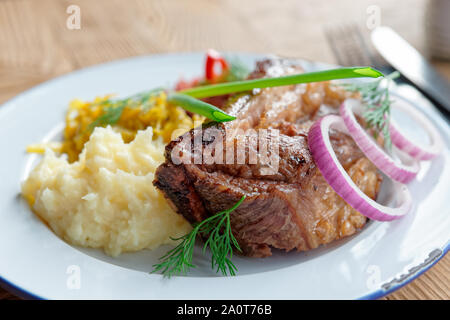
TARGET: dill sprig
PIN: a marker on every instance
(114, 107)
(220, 241)
(111, 114)
(238, 70)
(377, 103)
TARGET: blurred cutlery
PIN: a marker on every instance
(403, 57)
(350, 48)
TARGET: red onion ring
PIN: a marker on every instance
(401, 172)
(422, 152)
(336, 176)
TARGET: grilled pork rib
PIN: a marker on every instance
(291, 207)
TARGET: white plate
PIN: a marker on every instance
(36, 263)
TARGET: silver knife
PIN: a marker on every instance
(412, 65)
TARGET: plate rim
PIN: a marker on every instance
(377, 294)
(10, 103)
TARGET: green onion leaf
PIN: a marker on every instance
(247, 85)
(200, 107)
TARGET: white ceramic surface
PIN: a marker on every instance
(36, 263)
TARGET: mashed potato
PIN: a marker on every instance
(106, 199)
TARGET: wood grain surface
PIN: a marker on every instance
(36, 45)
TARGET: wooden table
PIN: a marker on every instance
(36, 45)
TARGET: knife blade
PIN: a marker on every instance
(406, 59)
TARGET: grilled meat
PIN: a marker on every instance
(288, 205)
